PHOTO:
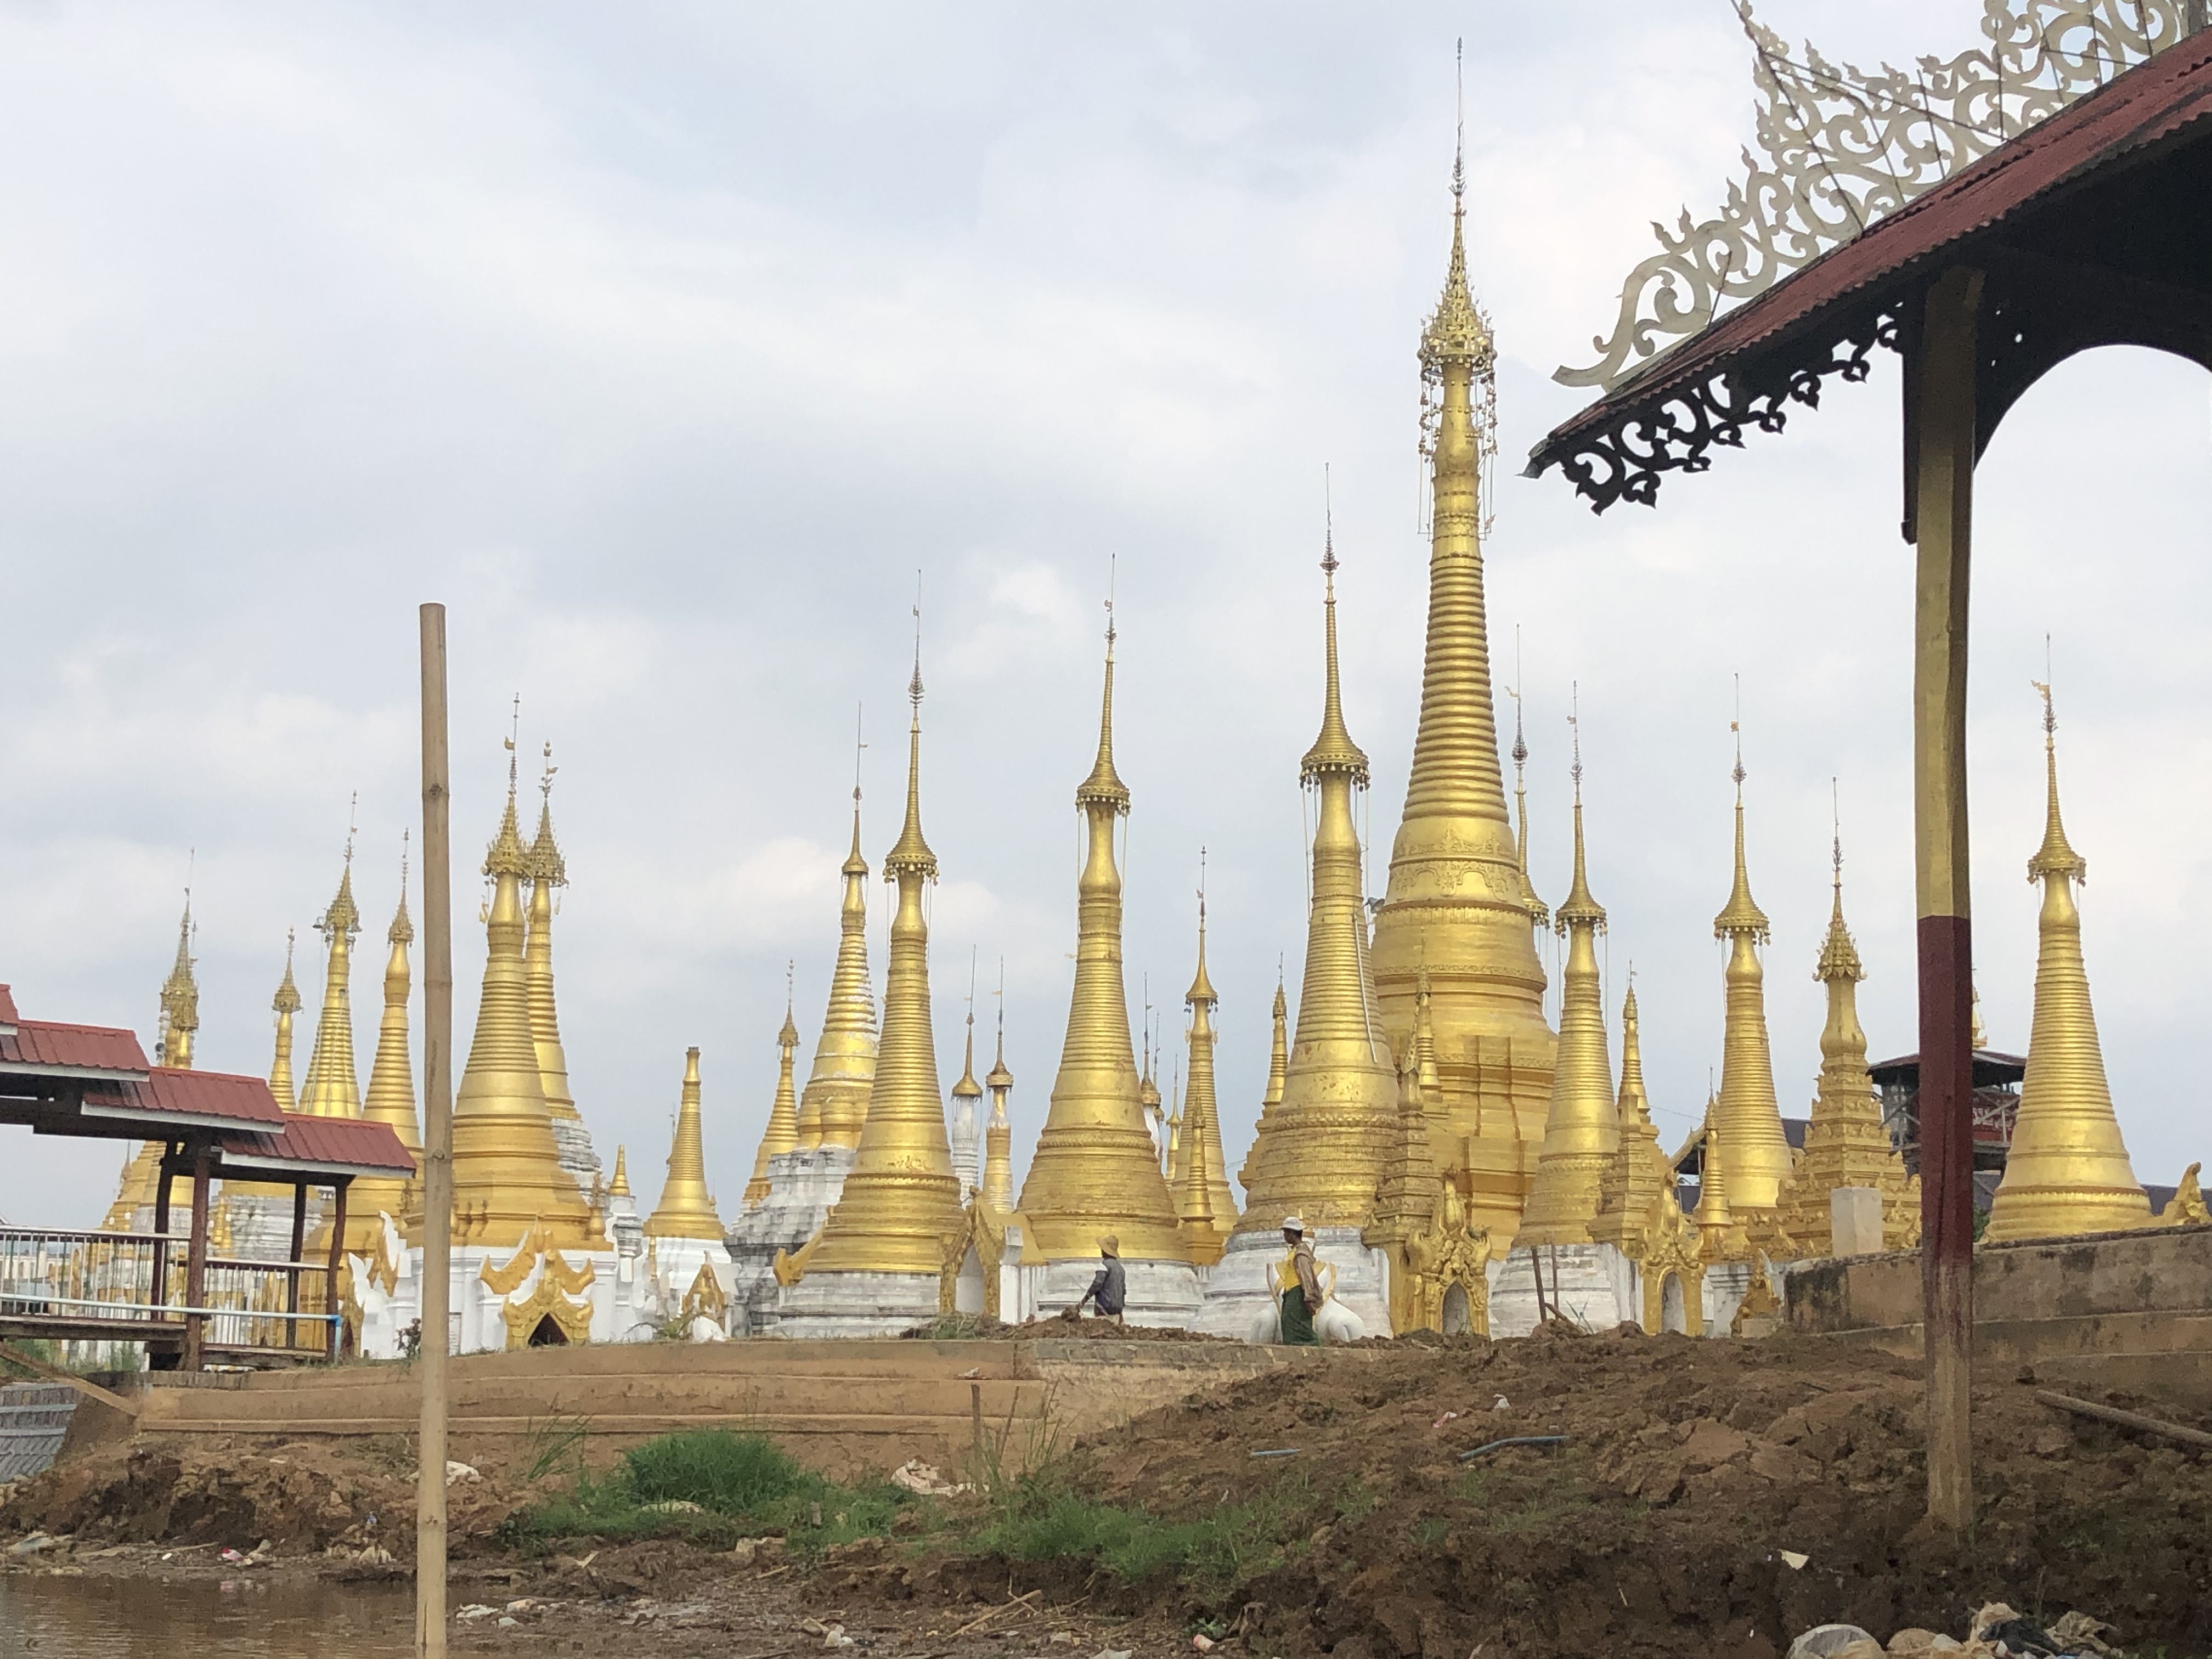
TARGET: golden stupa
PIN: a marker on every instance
(1581, 1132)
(1458, 901)
(966, 1094)
(548, 870)
(1720, 1235)
(2067, 1171)
(1279, 1061)
(1205, 1211)
(286, 1003)
(1748, 1113)
(835, 1102)
(1406, 1201)
(998, 1133)
(1845, 1144)
(900, 1209)
(1094, 1171)
(686, 1210)
(1322, 1150)
(507, 1177)
(179, 1018)
(1630, 1199)
(782, 1134)
(390, 1100)
(332, 1088)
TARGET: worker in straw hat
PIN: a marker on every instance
(1107, 1284)
(1303, 1300)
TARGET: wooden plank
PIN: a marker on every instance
(84, 1386)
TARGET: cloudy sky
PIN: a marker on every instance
(664, 345)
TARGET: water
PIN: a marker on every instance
(97, 1617)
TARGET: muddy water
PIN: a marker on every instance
(43, 1617)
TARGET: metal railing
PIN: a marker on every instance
(131, 1279)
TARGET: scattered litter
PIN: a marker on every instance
(814, 1515)
(971, 1373)
(674, 1506)
(1202, 1643)
(1514, 1440)
(1445, 1419)
(915, 1475)
(1796, 1562)
(1823, 1641)
(522, 1606)
(1997, 1631)
(34, 1543)
(234, 1557)
(476, 1610)
(457, 1472)
(1110, 1653)
(832, 1635)
(743, 1552)
(1502, 1405)
(1068, 1636)
(1285, 1451)
(505, 1623)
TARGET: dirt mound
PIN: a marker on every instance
(300, 1498)
(978, 1327)
(1660, 1527)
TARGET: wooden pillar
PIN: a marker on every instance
(159, 1289)
(337, 1266)
(1943, 460)
(292, 1272)
(195, 1254)
(437, 1142)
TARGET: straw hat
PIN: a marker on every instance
(1111, 1245)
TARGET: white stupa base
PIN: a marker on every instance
(572, 1144)
(626, 1304)
(1159, 1293)
(1238, 1298)
(853, 1304)
(1726, 1283)
(802, 1188)
(260, 1223)
(1593, 1286)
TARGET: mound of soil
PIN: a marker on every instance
(981, 1329)
(300, 1497)
(1660, 1527)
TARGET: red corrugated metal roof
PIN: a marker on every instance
(305, 1145)
(212, 1094)
(2150, 102)
(43, 1046)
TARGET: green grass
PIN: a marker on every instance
(744, 1485)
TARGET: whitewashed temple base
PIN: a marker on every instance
(1159, 1293)
(854, 1304)
(260, 1223)
(1726, 1283)
(571, 1146)
(1592, 1285)
(803, 1186)
(1238, 1296)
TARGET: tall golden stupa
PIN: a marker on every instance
(1748, 1114)
(1458, 901)
(178, 1018)
(1581, 1132)
(285, 1004)
(1206, 1210)
(1323, 1150)
(835, 1102)
(2067, 1171)
(900, 1211)
(507, 1167)
(1630, 1199)
(998, 1133)
(390, 1099)
(333, 1089)
(548, 871)
(1094, 1171)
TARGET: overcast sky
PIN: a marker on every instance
(664, 344)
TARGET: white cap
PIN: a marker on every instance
(1292, 1224)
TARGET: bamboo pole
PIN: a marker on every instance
(437, 1144)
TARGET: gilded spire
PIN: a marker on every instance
(1845, 1144)
(1095, 1170)
(1720, 1231)
(1333, 750)
(998, 1133)
(782, 1134)
(967, 1135)
(1748, 1114)
(1539, 915)
(180, 999)
(1278, 1060)
(1582, 1131)
(685, 1210)
(900, 1201)
(333, 1089)
(1323, 1150)
(835, 1101)
(287, 1004)
(619, 1186)
(1457, 900)
(2067, 1171)
(1629, 1201)
(548, 871)
(1206, 1209)
(390, 1082)
(506, 1164)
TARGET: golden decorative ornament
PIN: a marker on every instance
(782, 1134)
(998, 1133)
(686, 1210)
(333, 1089)
(548, 871)
(1748, 1114)
(835, 1101)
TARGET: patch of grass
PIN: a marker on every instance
(711, 1486)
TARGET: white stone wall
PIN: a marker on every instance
(1237, 1295)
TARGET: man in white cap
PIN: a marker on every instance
(1303, 1300)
